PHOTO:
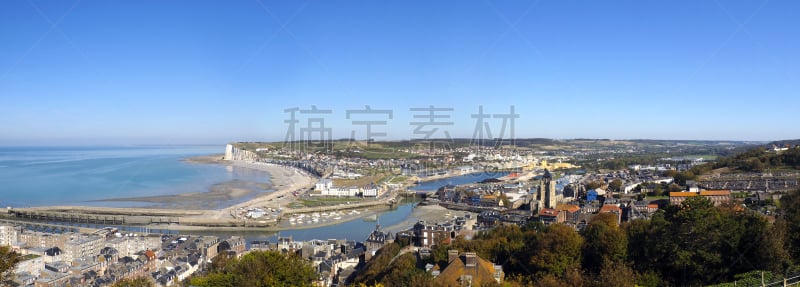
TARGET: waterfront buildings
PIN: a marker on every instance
(325, 187)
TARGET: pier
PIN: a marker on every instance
(169, 218)
(105, 216)
(47, 226)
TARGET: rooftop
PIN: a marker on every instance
(715, 192)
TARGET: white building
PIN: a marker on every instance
(466, 169)
(82, 246)
(8, 235)
(370, 191)
(325, 187)
(324, 184)
(32, 264)
(130, 245)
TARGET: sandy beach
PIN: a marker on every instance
(211, 199)
(285, 184)
(285, 181)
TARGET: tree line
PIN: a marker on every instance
(756, 160)
(693, 244)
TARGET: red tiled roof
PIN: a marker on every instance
(610, 208)
(548, 212)
(682, 194)
(715, 192)
(568, 207)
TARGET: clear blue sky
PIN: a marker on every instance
(170, 72)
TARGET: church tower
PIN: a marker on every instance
(547, 191)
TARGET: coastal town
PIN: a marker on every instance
(523, 187)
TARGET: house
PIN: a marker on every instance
(591, 195)
(717, 197)
(644, 206)
(591, 207)
(58, 266)
(571, 212)
(323, 184)
(691, 186)
(261, 245)
(377, 239)
(233, 246)
(8, 234)
(489, 218)
(611, 208)
(288, 245)
(49, 278)
(30, 264)
(429, 235)
(468, 269)
(490, 201)
(466, 169)
(24, 279)
(549, 216)
(676, 198)
(371, 190)
(83, 245)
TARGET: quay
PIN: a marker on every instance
(101, 215)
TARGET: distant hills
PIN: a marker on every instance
(785, 142)
(762, 158)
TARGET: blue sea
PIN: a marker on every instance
(37, 176)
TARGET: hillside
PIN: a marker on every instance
(762, 159)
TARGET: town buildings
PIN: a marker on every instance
(325, 187)
(718, 197)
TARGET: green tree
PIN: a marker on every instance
(605, 243)
(403, 272)
(615, 185)
(572, 278)
(261, 268)
(790, 222)
(773, 251)
(683, 176)
(555, 251)
(649, 279)
(375, 269)
(674, 187)
(8, 260)
(616, 275)
(593, 185)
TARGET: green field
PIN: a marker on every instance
(325, 201)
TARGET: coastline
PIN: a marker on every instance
(221, 195)
(200, 206)
(286, 182)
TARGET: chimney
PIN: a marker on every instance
(452, 254)
(472, 259)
